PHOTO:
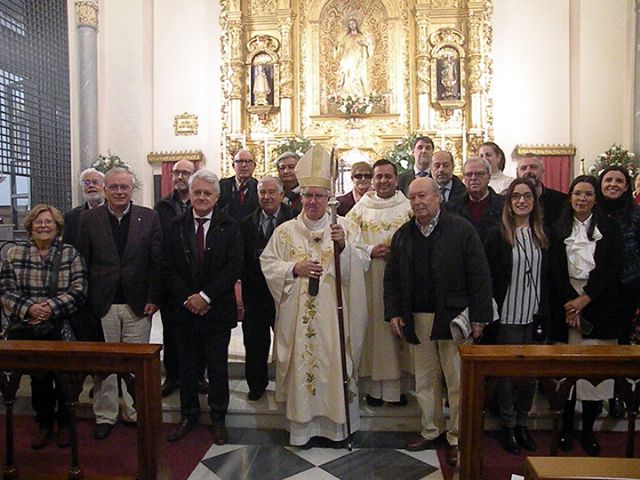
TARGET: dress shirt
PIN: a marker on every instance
(581, 250)
(122, 215)
(426, 231)
(205, 227)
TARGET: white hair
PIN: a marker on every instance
(89, 171)
(271, 178)
(206, 175)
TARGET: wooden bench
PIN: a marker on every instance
(581, 468)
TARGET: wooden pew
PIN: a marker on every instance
(581, 468)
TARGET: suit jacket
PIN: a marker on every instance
(347, 202)
(72, 224)
(138, 270)
(459, 265)
(215, 276)
(229, 199)
(492, 214)
(254, 286)
(552, 203)
(457, 189)
(404, 180)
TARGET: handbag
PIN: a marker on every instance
(47, 330)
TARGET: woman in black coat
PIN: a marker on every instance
(586, 267)
(517, 254)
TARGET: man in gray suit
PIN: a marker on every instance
(422, 150)
(121, 244)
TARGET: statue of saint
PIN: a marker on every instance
(353, 51)
(449, 78)
(261, 87)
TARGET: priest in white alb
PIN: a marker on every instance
(298, 265)
(385, 367)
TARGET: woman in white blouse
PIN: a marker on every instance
(517, 254)
(586, 268)
(492, 153)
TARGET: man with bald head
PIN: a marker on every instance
(238, 195)
(552, 201)
(436, 270)
(442, 172)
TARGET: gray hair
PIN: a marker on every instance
(118, 170)
(272, 179)
(484, 162)
(208, 177)
(89, 171)
(286, 155)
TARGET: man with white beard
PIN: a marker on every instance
(92, 183)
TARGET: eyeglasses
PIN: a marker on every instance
(184, 173)
(86, 183)
(39, 223)
(360, 176)
(243, 162)
(474, 174)
(516, 197)
(114, 187)
(314, 196)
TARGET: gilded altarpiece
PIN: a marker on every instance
(357, 74)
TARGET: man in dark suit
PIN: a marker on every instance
(422, 150)
(260, 310)
(442, 172)
(552, 201)
(480, 204)
(92, 183)
(203, 251)
(238, 194)
(122, 245)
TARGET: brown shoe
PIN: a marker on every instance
(63, 438)
(183, 428)
(451, 455)
(41, 438)
(220, 434)
(420, 443)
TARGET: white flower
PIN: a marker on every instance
(404, 163)
(631, 154)
(368, 109)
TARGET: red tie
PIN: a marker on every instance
(200, 239)
(241, 190)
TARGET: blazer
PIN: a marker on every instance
(347, 202)
(404, 180)
(139, 268)
(552, 203)
(72, 224)
(457, 189)
(492, 215)
(215, 276)
(229, 199)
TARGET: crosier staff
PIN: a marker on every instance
(333, 204)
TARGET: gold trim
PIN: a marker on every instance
(546, 150)
(161, 157)
(87, 13)
(185, 124)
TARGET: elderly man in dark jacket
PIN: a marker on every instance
(204, 259)
(436, 270)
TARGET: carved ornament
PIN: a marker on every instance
(546, 150)
(87, 13)
(191, 155)
(185, 124)
(263, 43)
(262, 7)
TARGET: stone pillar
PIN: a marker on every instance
(636, 86)
(87, 20)
(423, 71)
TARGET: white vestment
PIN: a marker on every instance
(307, 339)
(385, 358)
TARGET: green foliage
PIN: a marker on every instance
(617, 156)
(104, 163)
(401, 154)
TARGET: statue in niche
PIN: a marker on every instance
(261, 88)
(353, 52)
(449, 86)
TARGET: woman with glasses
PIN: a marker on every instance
(43, 282)
(517, 253)
(492, 153)
(361, 175)
(586, 266)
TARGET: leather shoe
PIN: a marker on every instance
(102, 431)
(451, 455)
(255, 395)
(590, 444)
(420, 443)
(63, 438)
(616, 407)
(565, 442)
(41, 438)
(524, 438)
(169, 386)
(183, 428)
(509, 442)
(220, 434)
(373, 402)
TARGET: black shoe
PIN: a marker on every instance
(373, 402)
(169, 386)
(616, 407)
(203, 387)
(400, 403)
(565, 442)
(41, 438)
(102, 431)
(255, 395)
(183, 428)
(590, 444)
(524, 439)
(509, 442)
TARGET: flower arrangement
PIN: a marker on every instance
(297, 145)
(617, 156)
(402, 154)
(104, 163)
(354, 105)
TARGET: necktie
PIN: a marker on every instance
(269, 226)
(421, 174)
(443, 192)
(241, 190)
(200, 239)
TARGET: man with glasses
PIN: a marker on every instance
(92, 183)
(238, 194)
(422, 150)
(122, 246)
(480, 204)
